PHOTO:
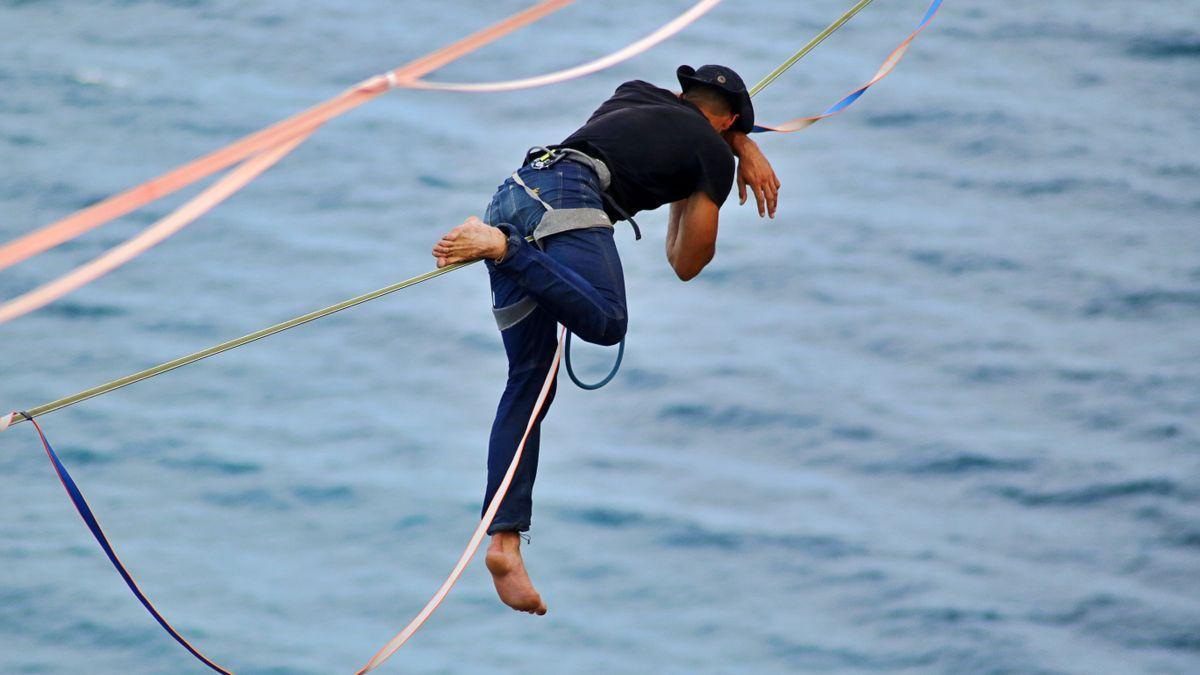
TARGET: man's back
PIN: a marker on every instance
(659, 148)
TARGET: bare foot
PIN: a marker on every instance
(509, 575)
(472, 240)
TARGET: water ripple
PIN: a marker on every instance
(1095, 494)
(1165, 47)
(736, 417)
(956, 464)
(1146, 303)
(211, 464)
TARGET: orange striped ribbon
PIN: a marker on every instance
(281, 132)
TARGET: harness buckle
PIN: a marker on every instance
(547, 160)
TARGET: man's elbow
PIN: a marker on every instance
(688, 270)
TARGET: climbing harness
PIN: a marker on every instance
(557, 221)
(563, 220)
(257, 152)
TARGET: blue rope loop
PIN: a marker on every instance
(608, 378)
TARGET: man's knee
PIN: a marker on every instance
(609, 332)
(616, 333)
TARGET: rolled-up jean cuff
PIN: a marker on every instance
(515, 241)
(508, 527)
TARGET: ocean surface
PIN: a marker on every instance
(941, 415)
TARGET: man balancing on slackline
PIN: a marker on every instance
(642, 148)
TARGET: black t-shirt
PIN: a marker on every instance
(659, 148)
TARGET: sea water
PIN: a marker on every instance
(939, 416)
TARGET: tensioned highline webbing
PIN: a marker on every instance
(257, 164)
(477, 537)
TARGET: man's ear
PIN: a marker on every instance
(732, 120)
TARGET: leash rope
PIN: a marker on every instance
(606, 379)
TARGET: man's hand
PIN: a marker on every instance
(755, 171)
(470, 241)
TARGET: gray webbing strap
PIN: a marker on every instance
(565, 220)
(556, 221)
(531, 192)
(507, 317)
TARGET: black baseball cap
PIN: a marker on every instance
(725, 80)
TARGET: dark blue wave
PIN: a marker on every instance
(1095, 494)
(736, 417)
(1144, 303)
(1165, 47)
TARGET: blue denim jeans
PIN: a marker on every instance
(576, 279)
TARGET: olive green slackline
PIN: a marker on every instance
(366, 297)
(235, 343)
(791, 61)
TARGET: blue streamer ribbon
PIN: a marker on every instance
(89, 518)
(853, 96)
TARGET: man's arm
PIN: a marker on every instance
(754, 170)
(692, 234)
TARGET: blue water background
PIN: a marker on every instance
(942, 415)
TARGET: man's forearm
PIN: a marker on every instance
(692, 235)
(754, 171)
(673, 219)
(738, 141)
